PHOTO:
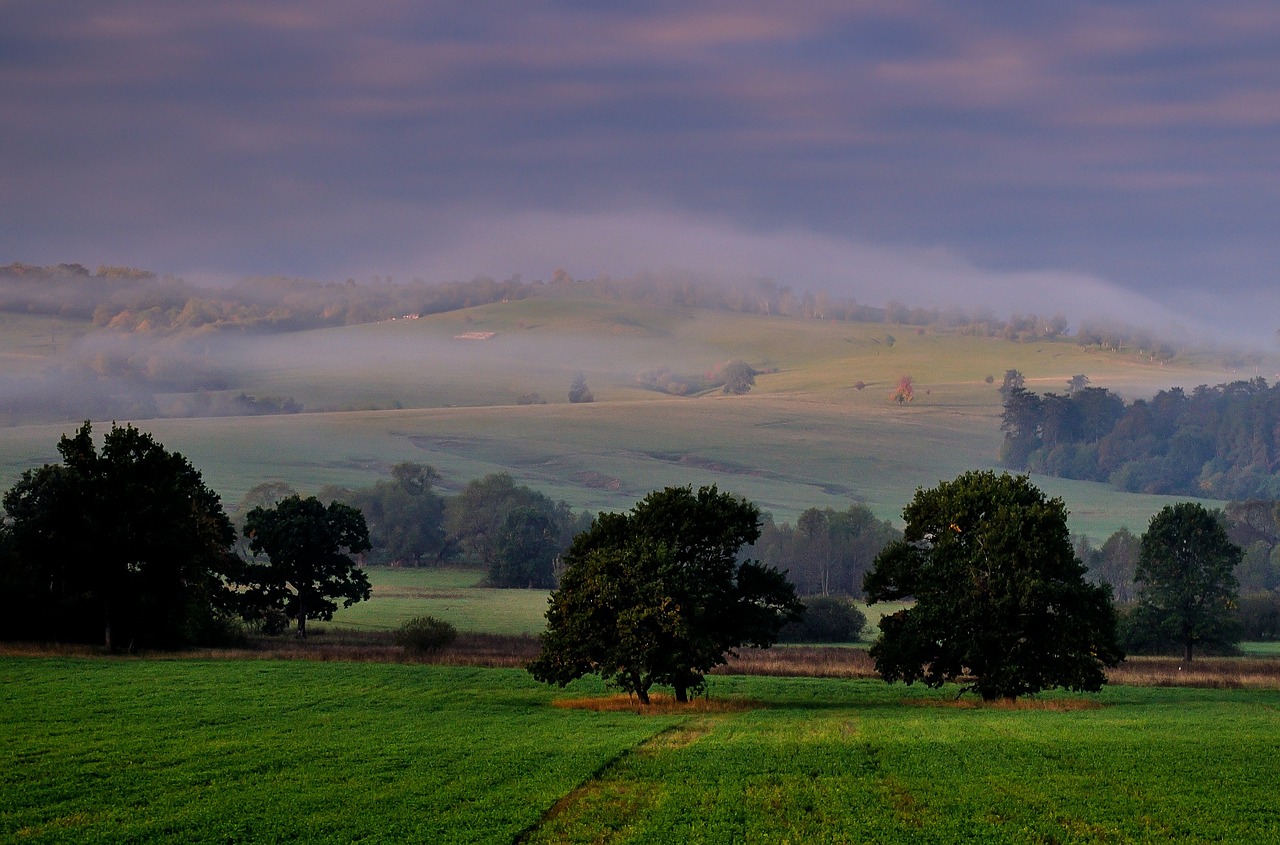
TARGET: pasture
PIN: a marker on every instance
(455, 595)
(110, 750)
(805, 436)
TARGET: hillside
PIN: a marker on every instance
(379, 393)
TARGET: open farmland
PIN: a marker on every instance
(805, 436)
(192, 750)
(455, 595)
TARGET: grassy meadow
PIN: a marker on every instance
(115, 750)
(805, 436)
(456, 596)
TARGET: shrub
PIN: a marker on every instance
(827, 619)
(425, 634)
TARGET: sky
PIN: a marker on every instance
(1097, 159)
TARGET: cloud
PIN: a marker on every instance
(1130, 143)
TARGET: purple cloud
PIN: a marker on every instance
(1134, 144)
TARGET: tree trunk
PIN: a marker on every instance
(682, 693)
(106, 622)
(302, 616)
(643, 695)
(1186, 651)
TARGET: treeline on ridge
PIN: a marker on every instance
(141, 301)
(1220, 442)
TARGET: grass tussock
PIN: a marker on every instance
(659, 704)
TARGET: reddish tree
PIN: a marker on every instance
(905, 391)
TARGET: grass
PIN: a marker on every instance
(160, 751)
(449, 594)
(98, 750)
(454, 594)
(803, 437)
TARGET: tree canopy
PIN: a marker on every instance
(1222, 441)
(1185, 580)
(657, 595)
(126, 541)
(514, 531)
(308, 548)
(999, 595)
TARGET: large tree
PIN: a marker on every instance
(308, 547)
(1185, 579)
(997, 593)
(126, 541)
(657, 595)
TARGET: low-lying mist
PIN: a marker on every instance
(627, 244)
(150, 346)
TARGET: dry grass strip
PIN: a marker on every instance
(1054, 705)
(801, 661)
(659, 705)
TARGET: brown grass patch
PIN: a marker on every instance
(659, 704)
(1203, 672)
(1054, 705)
(801, 661)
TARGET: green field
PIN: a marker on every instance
(127, 750)
(453, 595)
(805, 436)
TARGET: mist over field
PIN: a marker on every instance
(622, 245)
(129, 343)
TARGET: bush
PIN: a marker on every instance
(827, 619)
(425, 635)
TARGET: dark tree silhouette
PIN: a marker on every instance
(657, 596)
(999, 595)
(127, 540)
(1186, 581)
(308, 548)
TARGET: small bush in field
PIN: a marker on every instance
(827, 619)
(425, 634)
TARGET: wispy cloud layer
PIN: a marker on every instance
(1135, 143)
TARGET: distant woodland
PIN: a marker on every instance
(141, 301)
(1219, 442)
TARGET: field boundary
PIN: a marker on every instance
(515, 651)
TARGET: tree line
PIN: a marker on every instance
(142, 301)
(1220, 442)
(993, 592)
(125, 544)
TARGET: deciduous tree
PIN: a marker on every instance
(308, 548)
(998, 594)
(657, 596)
(578, 391)
(1185, 579)
(126, 540)
(738, 377)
